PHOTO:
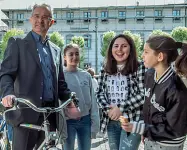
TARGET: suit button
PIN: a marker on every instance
(41, 83)
(40, 97)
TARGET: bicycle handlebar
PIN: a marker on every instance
(45, 109)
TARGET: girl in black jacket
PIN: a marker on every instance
(164, 124)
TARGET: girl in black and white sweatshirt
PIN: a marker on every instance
(121, 92)
(164, 124)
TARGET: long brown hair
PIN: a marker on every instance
(131, 64)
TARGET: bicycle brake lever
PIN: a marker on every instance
(75, 99)
(76, 102)
(14, 102)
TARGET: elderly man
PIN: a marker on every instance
(32, 69)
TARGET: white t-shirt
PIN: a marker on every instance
(95, 84)
(117, 88)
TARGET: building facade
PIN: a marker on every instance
(92, 22)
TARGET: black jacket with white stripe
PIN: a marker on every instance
(165, 109)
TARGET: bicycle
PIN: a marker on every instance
(5, 144)
(49, 136)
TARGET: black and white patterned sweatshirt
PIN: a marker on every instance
(133, 103)
(164, 110)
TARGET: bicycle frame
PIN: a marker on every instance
(4, 140)
(45, 128)
(49, 136)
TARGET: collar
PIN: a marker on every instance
(120, 67)
(168, 73)
(38, 38)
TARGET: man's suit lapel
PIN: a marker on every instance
(32, 48)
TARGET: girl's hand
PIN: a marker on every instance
(127, 126)
(114, 113)
(143, 139)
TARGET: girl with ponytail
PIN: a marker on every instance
(164, 122)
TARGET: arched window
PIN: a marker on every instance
(68, 38)
(87, 41)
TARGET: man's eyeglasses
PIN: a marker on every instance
(42, 17)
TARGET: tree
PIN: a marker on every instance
(79, 40)
(57, 39)
(137, 40)
(107, 38)
(159, 32)
(179, 34)
(138, 43)
(7, 35)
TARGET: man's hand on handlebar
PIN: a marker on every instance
(7, 100)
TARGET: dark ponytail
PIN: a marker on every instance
(164, 44)
(181, 62)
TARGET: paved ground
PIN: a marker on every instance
(100, 144)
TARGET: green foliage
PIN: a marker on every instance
(179, 34)
(107, 38)
(57, 39)
(159, 32)
(7, 35)
(79, 40)
(137, 40)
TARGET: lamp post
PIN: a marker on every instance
(96, 42)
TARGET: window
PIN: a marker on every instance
(140, 16)
(68, 38)
(140, 13)
(20, 16)
(142, 36)
(104, 15)
(176, 15)
(20, 19)
(101, 37)
(87, 41)
(70, 16)
(55, 17)
(158, 15)
(121, 15)
(87, 15)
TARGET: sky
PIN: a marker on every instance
(23, 4)
(7, 4)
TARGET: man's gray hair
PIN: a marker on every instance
(44, 5)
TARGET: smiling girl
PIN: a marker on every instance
(87, 124)
(121, 92)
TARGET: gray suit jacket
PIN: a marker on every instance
(21, 75)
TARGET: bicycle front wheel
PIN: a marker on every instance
(4, 144)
